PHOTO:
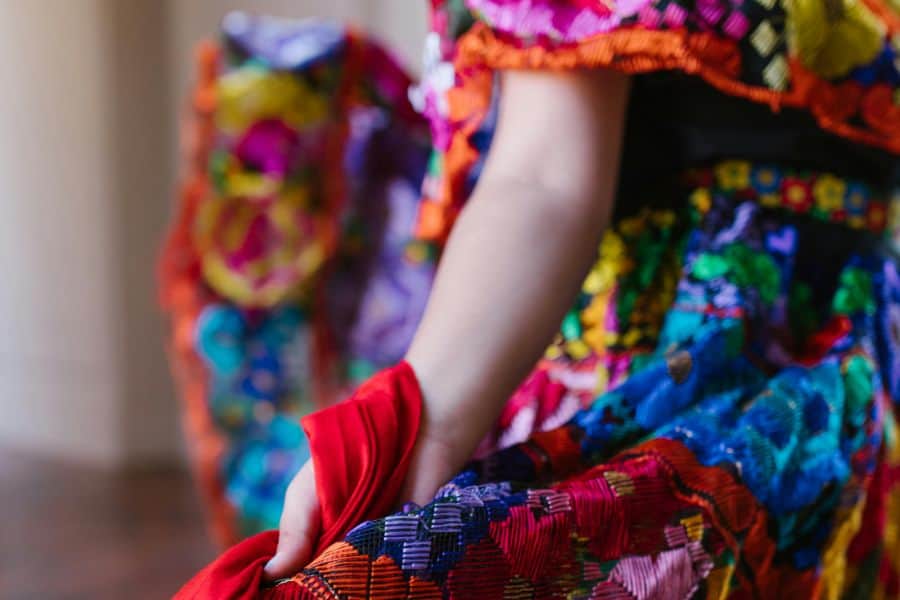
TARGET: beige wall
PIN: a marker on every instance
(58, 355)
(88, 123)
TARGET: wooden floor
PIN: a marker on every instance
(78, 533)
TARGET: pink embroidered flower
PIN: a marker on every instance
(269, 146)
(675, 573)
(559, 20)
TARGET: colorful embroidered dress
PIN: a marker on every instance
(717, 415)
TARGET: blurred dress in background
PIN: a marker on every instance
(294, 268)
(290, 272)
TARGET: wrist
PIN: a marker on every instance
(450, 424)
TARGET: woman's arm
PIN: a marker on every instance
(516, 257)
(511, 268)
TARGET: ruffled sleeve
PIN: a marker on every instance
(835, 59)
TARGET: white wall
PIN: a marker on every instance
(58, 358)
(88, 118)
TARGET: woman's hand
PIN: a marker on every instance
(299, 526)
(433, 463)
(512, 265)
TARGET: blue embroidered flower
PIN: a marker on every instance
(765, 179)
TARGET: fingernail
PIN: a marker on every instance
(273, 562)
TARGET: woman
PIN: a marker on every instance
(739, 325)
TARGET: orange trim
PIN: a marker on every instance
(633, 50)
(716, 60)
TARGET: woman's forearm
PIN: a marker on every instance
(510, 271)
(512, 265)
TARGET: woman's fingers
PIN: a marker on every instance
(299, 527)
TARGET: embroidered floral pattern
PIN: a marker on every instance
(822, 196)
(559, 21)
(730, 376)
(836, 59)
(725, 443)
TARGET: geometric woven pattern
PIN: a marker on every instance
(751, 454)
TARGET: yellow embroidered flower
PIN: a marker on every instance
(612, 246)
(245, 184)
(577, 349)
(252, 93)
(833, 37)
(595, 313)
(662, 218)
(610, 263)
(828, 192)
(553, 352)
(259, 254)
(596, 339)
(893, 223)
(594, 319)
(602, 379)
(770, 200)
(856, 221)
(733, 174)
(631, 227)
(631, 337)
(701, 200)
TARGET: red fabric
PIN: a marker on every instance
(236, 575)
(361, 450)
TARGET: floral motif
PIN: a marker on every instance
(766, 180)
(834, 59)
(828, 192)
(797, 193)
(876, 216)
(821, 195)
(833, 37)
(295, 227)
(733, 175)
(253, 93)
(257, 254)
(268, 146)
